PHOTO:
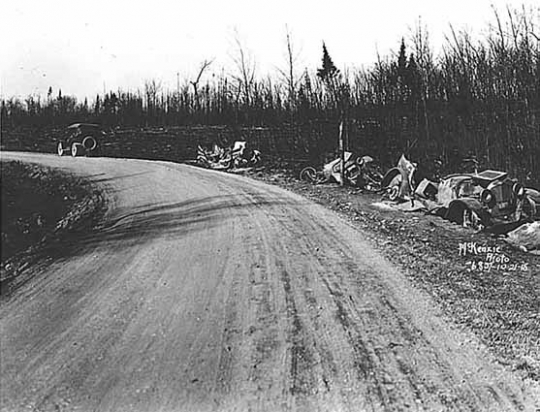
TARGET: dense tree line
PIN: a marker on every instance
(478, 97)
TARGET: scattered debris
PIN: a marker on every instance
(383, 206)
(526, 237)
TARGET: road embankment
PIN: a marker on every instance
(42, 209)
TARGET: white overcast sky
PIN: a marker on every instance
(86, 47)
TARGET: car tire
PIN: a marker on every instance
(393, 193)
(308, 174)
(394, 188)
(89, 143)
(77, 149)
(60, 149)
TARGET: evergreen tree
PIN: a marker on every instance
(307, 82)
(413, 78)
(97, 106)
(402, 59)
(328, 70)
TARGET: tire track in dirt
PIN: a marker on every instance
(211, 292)
(372, 356)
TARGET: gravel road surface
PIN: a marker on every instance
(204, 291)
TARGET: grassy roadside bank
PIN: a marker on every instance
(40, 208)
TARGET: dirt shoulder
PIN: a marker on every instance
(479, 280)
(41, 209)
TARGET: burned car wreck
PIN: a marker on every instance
(359, 171)
(485, 199)
(224, 158)
(79, 139)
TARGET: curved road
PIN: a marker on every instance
(210, 292)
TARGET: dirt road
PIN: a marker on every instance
(210, 292)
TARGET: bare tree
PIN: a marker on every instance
(246, 67)
(151, 89)
(289, 73)
(422, 70)
(204, 65)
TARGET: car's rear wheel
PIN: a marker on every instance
(60, 149)
(89, 143)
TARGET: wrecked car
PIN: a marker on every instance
(79, 139)
(400, 182)
(360, 171)
(214, 158)
(242, 156)
(485, 199)
(225, 158)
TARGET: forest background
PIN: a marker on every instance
(479, 97)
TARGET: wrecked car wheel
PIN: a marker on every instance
(471, 219)
(308, 174)
(393, 188)
(464, 216)
(393, 193)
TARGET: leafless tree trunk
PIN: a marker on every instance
(289, 73)
(246, 67)
(151, 90)
(204, 65)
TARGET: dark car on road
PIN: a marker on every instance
(80, 139)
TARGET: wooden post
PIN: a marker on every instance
(342, 154)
